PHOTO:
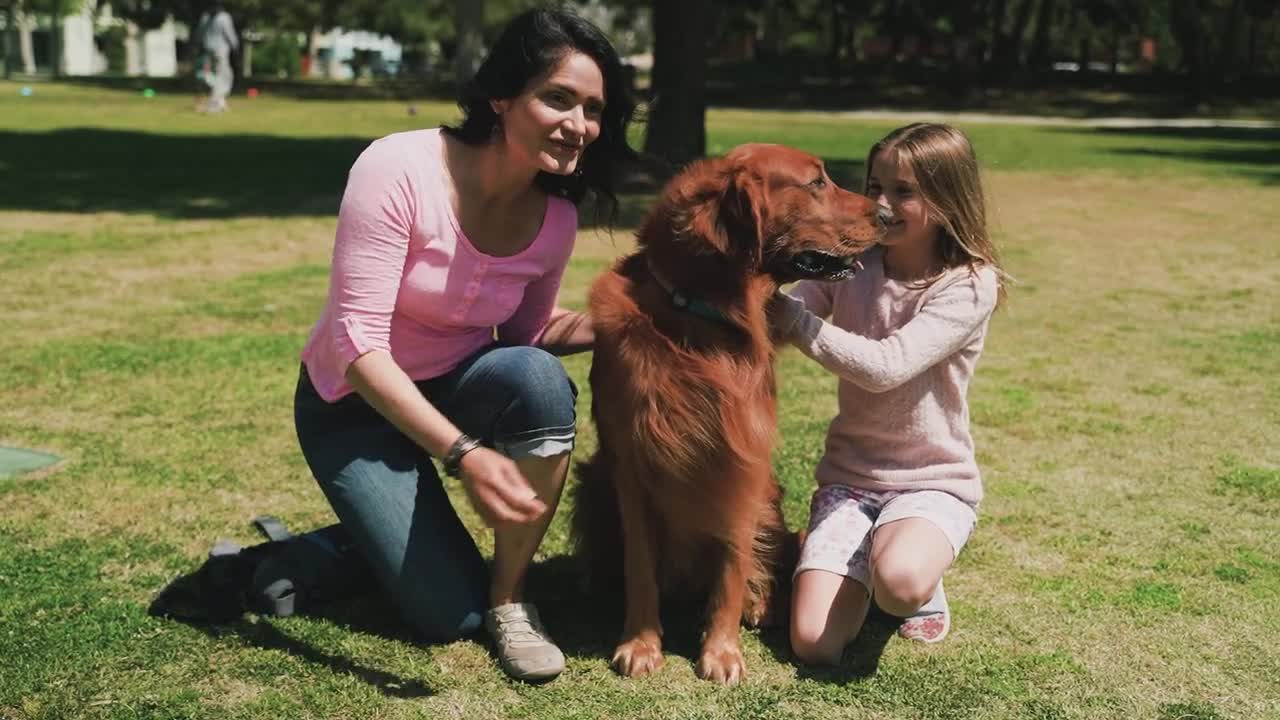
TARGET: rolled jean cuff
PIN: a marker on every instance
(543, 443)
(470, 623)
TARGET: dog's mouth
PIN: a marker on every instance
(819, 265)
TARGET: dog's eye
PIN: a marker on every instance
(818, 184)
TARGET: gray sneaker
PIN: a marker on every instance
(525, 650)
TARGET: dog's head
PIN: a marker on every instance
(766, 210)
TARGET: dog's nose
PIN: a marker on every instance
(884, 216)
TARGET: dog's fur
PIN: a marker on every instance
(681, 493)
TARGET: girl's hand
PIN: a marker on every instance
(497, 489)
(783, 313)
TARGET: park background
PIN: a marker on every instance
(160, 269)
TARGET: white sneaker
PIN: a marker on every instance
(525, 650)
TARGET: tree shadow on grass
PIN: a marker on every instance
(176, 176)
(89, 170)
(861, 658)
(266, 635)
(580, 626)
(1250, 152)
(584, 626)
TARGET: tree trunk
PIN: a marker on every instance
(133, 49)
(965, 48)
(1115, 49)
(469, 15)
(771, 33)
(841, 30)
(997, 30)
(1013, 43)
(1185, 23)
(898, 31)
(837, 34)
(677, 129)
(313, 52)
(1251, 70)
(26, 22)
(1229, 51)
(55, 42)
(4, 41)
(1084, 45)
(1039, 55)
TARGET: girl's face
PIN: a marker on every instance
(892, 185)
(556, 117)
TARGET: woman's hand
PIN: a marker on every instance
(497, 489)
(567, 332)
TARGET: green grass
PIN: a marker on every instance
(160, 270)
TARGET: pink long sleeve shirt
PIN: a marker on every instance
(406, 279)
(905, 355)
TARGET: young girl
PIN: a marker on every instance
(898, 484)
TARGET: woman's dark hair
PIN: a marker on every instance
(531, 45)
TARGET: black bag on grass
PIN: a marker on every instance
(287, 574)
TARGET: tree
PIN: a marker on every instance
(1260, 11)
(1008, 42)
(1040, 46)
(4, 38)
(677, 111)
(469, 25)
(1185, 18)
(56, 10)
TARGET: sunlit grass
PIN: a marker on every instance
(1126, 412)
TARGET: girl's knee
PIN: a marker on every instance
(901, 587)
(814, 651)
(812, 641)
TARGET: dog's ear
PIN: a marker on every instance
(742, 215)
(719, 211)
(695, 208)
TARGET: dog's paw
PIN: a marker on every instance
(757, 611)
(638, 656)
(722, 663)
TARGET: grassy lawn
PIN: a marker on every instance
(160, 270)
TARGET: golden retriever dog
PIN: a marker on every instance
(681, 496)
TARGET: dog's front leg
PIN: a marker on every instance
(769, 581)
(640, 651)
(721, 658)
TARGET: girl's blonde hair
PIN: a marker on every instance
(946, 170)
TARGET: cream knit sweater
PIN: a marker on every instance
(904, 355)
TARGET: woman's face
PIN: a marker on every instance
(556, 117)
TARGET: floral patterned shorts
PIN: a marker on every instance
(843, 519)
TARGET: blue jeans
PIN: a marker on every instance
(387, 494)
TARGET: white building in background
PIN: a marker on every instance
(80, 55)
(337, 48)
(151, 54)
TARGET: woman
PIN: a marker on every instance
(438, 335)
